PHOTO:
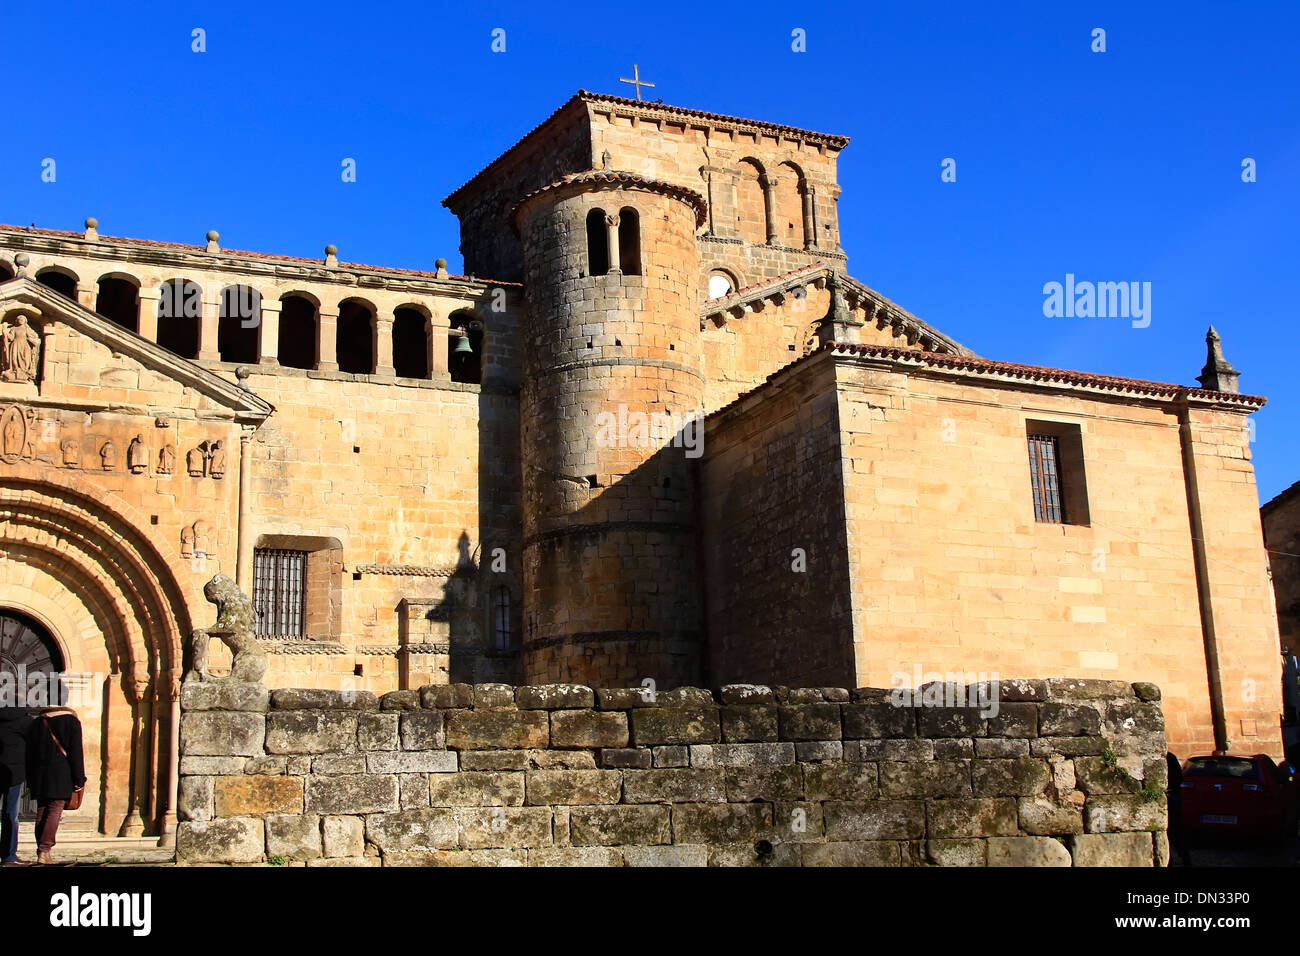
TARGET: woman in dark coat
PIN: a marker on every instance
(14, 724)
(54, 770)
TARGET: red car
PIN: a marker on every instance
(1249, 796)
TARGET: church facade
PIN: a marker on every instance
(669, 440)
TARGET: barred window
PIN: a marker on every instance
(501, 619)
(279, 592)
(1044, 473)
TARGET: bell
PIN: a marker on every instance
(462, 346)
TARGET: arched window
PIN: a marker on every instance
(721, 283)
(751, 204)
(296, 345)
(60, 282)
(410, 343)
(465, 348)
(180, 313)
(789, 191)
(6, 272)
(237, 321)
(355, 338)
(629, 241)
(119, 302)
(597, 243)
(501, 619)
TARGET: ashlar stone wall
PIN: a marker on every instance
(1060, 772)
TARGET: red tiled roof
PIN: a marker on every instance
(617, 177)
(1029, 373)
(185, 247)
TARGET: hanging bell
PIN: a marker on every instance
(462, 345)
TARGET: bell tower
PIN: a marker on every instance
(610, 424)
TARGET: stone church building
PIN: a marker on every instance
(415, 475)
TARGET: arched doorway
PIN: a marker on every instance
(31, 670)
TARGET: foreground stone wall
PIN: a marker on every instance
(1066, 772)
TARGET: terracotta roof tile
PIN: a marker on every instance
(619, 177)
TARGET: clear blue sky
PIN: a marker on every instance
(1115, 166)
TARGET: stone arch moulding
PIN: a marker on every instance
(122, 601)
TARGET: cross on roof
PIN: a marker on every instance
(636, 80)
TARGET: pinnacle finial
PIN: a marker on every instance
(1218, 374)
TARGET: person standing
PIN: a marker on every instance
(55, 772)
(14, 725)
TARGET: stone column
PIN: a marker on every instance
(169, 792)
(268, 333)
(435, 340)
(87, 296)
(383, 333)
(148, 310)
(327, 340)
(208, 329)
(809, 218)
(141, 714)
(611, 243)
(769, 205)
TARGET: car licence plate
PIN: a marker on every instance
(1217, 818)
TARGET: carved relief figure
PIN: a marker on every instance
(137, 456)
(187, 542)
(235, 622)
(71, 449)
(201, 537)
(217, 459)
(167, 459)
(20, 352)
(108, 455)
(196, 459)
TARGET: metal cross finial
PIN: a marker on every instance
(636, 80)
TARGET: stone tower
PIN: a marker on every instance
(609, 410)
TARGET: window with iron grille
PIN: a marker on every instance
(1045, 475)
(280, 592)
(501, 619)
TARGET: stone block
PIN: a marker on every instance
(346, 861)
(939, 778)
(195, 798)
(671, 756)
(504, 826)
(555, 697)
(399, 700)
(310, 698)
(343, 836)
(630, 758)
(225, 695)
(683, 785)
(758, 854)
(747, 694)
(254, 796)
(1067, 746)
(843, 781)
(494, 697)
(351, 794)
(998, 747)
(411, 761)
(950, 722)
(222, 734)
(810, 722)
(584, 856)
(984, 817)
(477, 789)
(1014, 776)
(815, 751)
(1112, 849)
(954, 748)
(1075, 688)
(494, 760)
(878, 720)
(497, 729)
(560, 760)
(1015, 690)
(414, 789)
(957, 852)
(293, 836)
(1109, 813)
(666, 855)
(892, 750)
(588, 729)
(742, 755)
(231, 840)
(446, 696)
(745, 784)
(377, 731)
(273, 766)
(339, 763)
(620, 825)
(875, 820)
(858, 853)
(1027, 851)
(749, 723)
(310, 731)
(625, 698)
(572, 787)
(1146, 691)
(422, 730)
(1014, 720)
(1042, 817)
(722, 822)
(212, 766)
(1095, 775)
(675, 725)
(1068, 720)
(422, 828)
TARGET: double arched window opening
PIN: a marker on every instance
(614, 242)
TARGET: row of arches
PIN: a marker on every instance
(179, 315)
(774, 208)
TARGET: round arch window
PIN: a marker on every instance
(720, 284)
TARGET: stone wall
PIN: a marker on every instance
(1064, 772)
(1281, 520)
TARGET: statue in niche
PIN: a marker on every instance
(71, 449)
(201, 537)
(20, 352)
(167, 459)
(196, 460)
(137, 456)
(217, 460)
(187, 542)
(108, 455)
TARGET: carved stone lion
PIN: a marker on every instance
(235, 627)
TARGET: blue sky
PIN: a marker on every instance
(1115, 166)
